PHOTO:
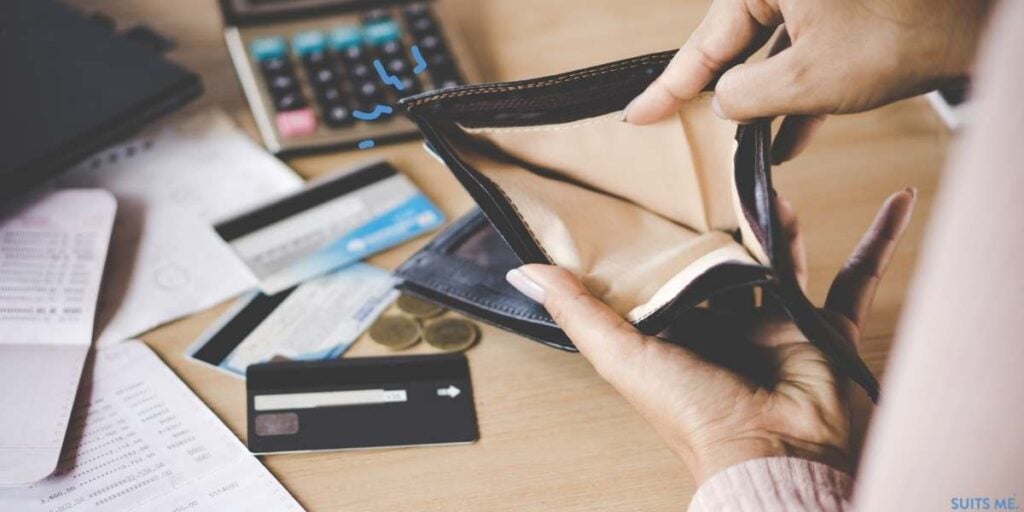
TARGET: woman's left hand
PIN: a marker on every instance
(739, 386)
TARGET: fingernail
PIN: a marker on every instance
(912, 191)
(625, 111)
(520, 281)
(716, 107)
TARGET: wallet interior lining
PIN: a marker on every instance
(640, 212)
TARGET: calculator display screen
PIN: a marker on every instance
(269, 10)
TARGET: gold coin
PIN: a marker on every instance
(395, 331)
(451, 334)
(418, 308)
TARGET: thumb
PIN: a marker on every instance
(615, 348)
(781, 84)
(642, 368)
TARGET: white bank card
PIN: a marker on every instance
(315, 320)
(329, 224)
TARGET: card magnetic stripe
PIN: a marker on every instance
(219, 346)
(316, 195)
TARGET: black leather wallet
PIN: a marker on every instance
(654, 219)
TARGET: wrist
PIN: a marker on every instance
(969, 21)
(706, 461)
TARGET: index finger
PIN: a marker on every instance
(727, 33)
(854, 287)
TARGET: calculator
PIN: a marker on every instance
(327, 74)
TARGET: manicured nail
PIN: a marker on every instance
(912, 191)
(625, 111)
(716, 107)
(520, 281)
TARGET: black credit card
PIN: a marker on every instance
(363, 402)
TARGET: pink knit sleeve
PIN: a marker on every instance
(778, 484)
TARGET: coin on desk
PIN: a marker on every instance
(451, 334)
(395, 331)
(418, 308)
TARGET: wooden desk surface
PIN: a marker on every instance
(553, 436)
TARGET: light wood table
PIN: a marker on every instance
(553, 436)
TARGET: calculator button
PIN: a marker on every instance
(422, 26)
(367, 91)
(396, 66)
(448, 83)
(267, 48)
(295, 123)
(409, 86)
(375, 15)
(281, 83)
(315, 59)
(353, 54)
(337, 115)
(417, 10)
(391, 49)
(430, 43)
(330, 95)
(274, 65)
(439, 61)
(380, 32)
(322, 77)
(289, 101)
(345, 37)
(360, 71)
(305, 43)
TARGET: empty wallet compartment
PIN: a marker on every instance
(653, 219)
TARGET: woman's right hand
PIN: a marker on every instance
(846, 56)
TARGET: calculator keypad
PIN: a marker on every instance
(322, 77)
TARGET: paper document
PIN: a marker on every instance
(172, 183)
(318, 319)
(52, 251)
(140, 440)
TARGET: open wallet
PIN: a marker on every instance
(653, 219)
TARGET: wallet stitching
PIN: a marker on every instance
(533, 85)
(519, 214)
(613, 116)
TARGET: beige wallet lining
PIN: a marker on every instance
(635, 258)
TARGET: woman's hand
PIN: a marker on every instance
(738, 386)
(846, 56)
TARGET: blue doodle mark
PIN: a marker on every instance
(421, 65)
(378, 111)
(367, 144)
(385, 77)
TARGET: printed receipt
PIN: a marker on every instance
(52, 253)
(140, 440)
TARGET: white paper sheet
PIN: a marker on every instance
(141, 440)
(172, 183)
(52, 251)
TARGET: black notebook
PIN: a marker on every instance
(71, 86)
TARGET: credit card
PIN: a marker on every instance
(366, 402)
(318, 319)
(329, 224)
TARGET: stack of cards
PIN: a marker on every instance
(304, 249)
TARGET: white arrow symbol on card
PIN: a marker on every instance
(450, 391)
